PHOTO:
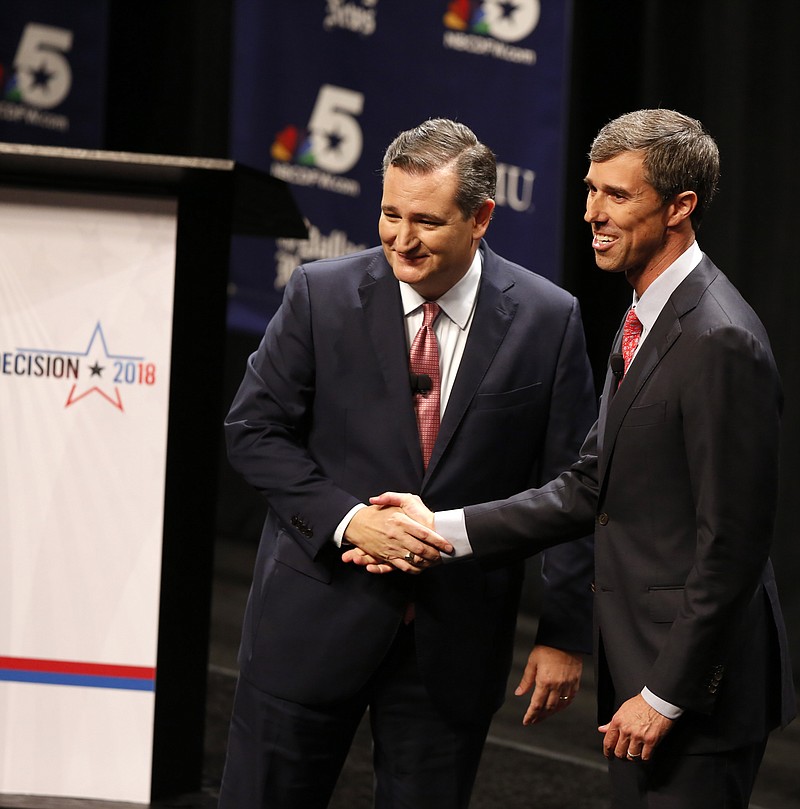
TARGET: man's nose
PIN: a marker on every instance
(594, 210)
(406, 237)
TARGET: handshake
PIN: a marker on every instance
(395, 532)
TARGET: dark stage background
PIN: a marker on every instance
(734, 65)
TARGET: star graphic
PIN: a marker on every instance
(114, 398)
(334, 141)
(41, 76)
(509, 9)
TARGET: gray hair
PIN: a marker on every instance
(679, 153)
(440, 143)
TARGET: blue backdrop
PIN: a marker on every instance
(52, 72)
(321, 87)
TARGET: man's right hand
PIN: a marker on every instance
(411, 505)
(386, 539)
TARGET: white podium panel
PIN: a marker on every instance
(86, 303)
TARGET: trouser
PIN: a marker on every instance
(282, 755)
(716, 781)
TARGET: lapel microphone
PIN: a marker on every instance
(617, 364)
(421, 383)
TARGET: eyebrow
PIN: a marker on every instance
(608, 189)
(415, 214)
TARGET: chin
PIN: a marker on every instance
(606, 264)
(408, 275)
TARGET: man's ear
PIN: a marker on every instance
(682, 206)
(482, 218)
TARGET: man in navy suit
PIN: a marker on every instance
(679, 480)
(324, 418)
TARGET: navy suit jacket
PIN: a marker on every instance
(324, 419)
(679, 478)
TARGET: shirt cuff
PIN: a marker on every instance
(338, 534)
(662, 706)
(452, 526)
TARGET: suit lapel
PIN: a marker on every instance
(609, 392)
(662, 337)
(494, 312)
(383, 313)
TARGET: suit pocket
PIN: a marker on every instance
(647, 414)
(510, 398)
(663, 603)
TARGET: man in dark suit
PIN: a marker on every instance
(679, 480)
(325, 417)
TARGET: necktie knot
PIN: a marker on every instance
(430, 311)
(631, 332)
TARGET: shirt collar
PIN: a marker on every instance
(655, 297)
(458, 302)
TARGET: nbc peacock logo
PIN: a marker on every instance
(487, 27)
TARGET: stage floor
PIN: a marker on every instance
(555, 765)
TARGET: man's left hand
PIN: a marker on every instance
(555, 677)
(356, 556)
(634, 730)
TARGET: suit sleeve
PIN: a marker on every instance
(269, 421)
(730, 405)
(534, 520)
(565, 621)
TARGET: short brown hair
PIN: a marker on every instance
(679, 153)
(438, 143)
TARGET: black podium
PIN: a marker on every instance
(103, 446)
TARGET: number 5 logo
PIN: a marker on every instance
(336, 138)
(44, 76)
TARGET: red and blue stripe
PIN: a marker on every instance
(67, 672)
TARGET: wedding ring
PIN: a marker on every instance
(634, 755)
(563, 697)
(409, 557)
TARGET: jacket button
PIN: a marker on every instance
(602, 518)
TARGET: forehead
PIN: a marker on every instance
(436, 189)
(625, 170)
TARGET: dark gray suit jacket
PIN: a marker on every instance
(679, 479)
(324, 419)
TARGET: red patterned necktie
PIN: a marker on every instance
(631, 332)
(424, 360)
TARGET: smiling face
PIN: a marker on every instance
(426, 238)
(633, 230)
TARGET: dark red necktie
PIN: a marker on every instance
(631, 332)
(424, 360)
